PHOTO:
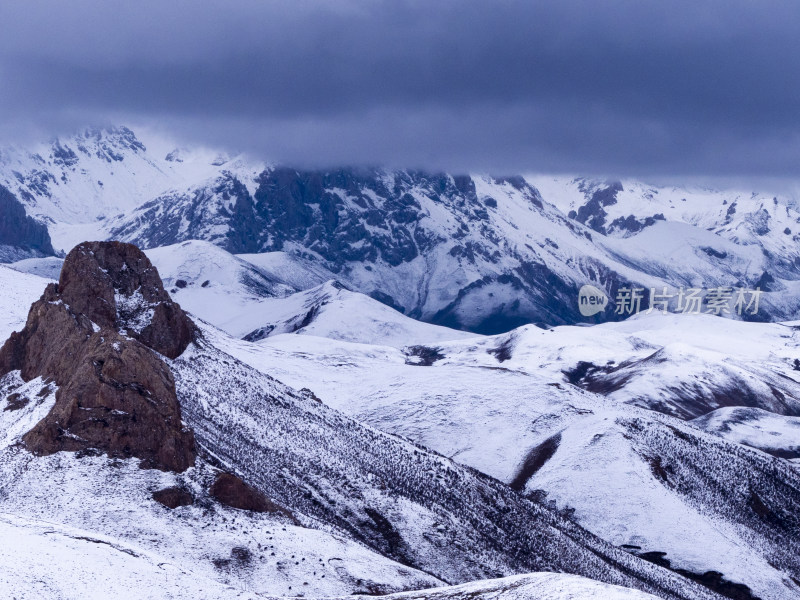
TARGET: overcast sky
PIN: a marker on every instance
(597, 87)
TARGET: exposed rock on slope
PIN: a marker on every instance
(232, 491)
(94, 334)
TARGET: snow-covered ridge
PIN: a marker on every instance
(776, 434)
(74, 183)
(471, 252)
(251, 296)
(621, 208)
(483, 253)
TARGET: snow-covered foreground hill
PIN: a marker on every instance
(566, 415)
(46, 561)
(94, 531)
(539, 586)
(350, 510)
(653, 483)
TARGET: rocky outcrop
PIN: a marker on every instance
(598, 196)
(232, 491)
(116, 286)
(173, 497)
(97, 335)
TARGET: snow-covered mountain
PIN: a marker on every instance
(485, 253)
(412, 240)
(326, 427)
(471, 252)
(73, 184)
(622, 208)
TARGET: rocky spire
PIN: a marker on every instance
(98, 335)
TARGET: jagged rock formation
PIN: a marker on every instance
(116, 286)
(94, 334)
(20, 235)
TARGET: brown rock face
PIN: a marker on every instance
(232, 491)
(116, 286)
(173, 497)
(94, 334)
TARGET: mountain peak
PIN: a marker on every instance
(116, 286)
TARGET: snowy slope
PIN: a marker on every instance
(211, 283)
(44, 561)
(499, 415)
(332, 311)
(253, 298)
(65, 504)
(49, 267)
(51, 562)
(294, 271)
(682, 365)
(775, 434)
(19, 291)
(107, 505)
(541, 586)
(412, 505)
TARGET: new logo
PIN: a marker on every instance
(591, 300)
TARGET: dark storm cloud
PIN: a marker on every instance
(624, 87)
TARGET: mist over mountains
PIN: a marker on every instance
(475, 252)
